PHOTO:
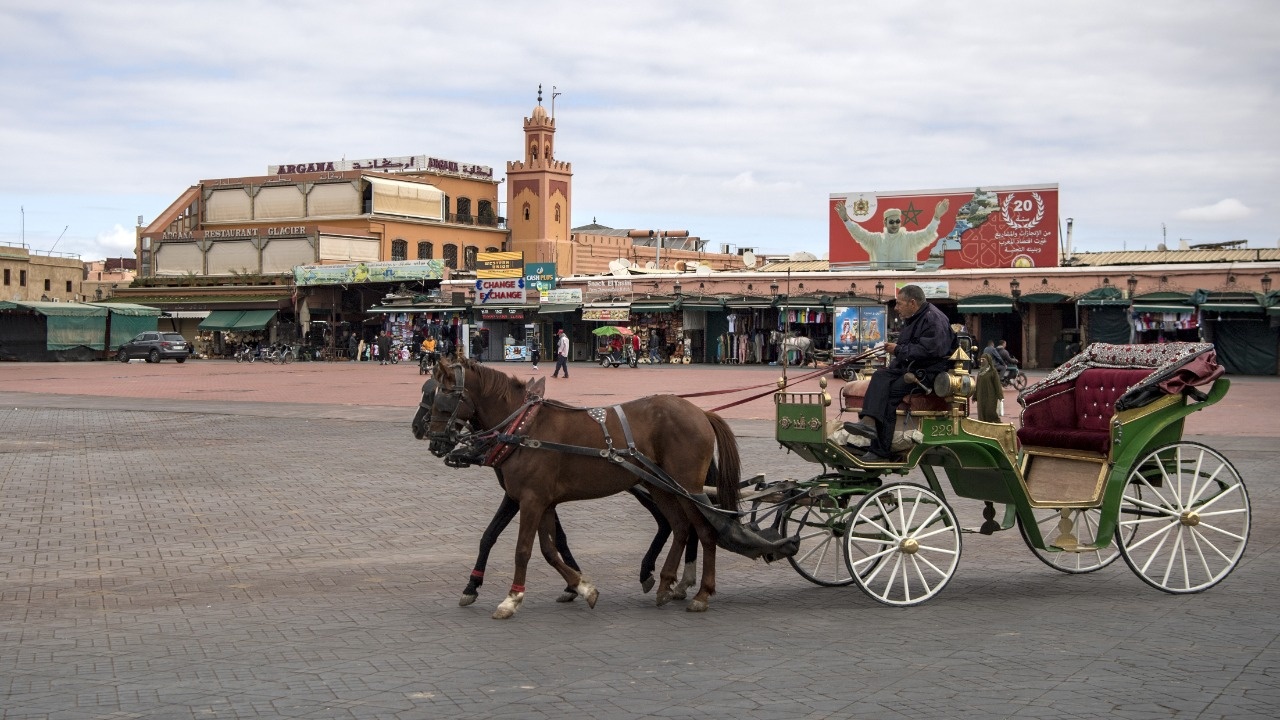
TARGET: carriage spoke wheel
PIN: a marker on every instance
(902, 544)
(1084, 527)
(820, 524)
(1184, 518)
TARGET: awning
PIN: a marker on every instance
(1231, 307)
(130, 309)
(750, 303)
(550, 309)
(652, 307)
(189, 313)
(254, 319)
(704, 304)
(985, 305)
(1103, 296)
(220, 320)
(384, 309)
(1155, 307)
(1046, 298)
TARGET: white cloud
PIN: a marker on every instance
(1228, 209)
(119, 238)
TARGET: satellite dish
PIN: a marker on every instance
(703, 270)
(749, 259)
(619, 267)
(803, 256)
(679, 266)
(650, 265)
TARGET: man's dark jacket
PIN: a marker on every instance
(924, 343)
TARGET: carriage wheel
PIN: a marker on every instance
(902, 544)
(1184, 519)
(1085, 528)
(821, 527)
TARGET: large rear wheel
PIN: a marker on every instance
(1184, 518)
(902, 544)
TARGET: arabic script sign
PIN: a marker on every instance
(388, 164)
(370, 272)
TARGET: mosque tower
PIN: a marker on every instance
(539, 190)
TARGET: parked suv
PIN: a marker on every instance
(154, 347)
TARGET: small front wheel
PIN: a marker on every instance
(902, 544)
(1184, 518)
(1084, 526)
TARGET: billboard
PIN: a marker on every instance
(858, 328)
(983, 227)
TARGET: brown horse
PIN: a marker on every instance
(550, 452)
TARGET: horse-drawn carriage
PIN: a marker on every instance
(1097, 470)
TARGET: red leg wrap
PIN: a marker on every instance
(517, 588)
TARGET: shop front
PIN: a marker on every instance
(1239, 326)
(660, 325)
(584, 344)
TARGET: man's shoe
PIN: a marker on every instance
(872, 457)
(861, 429)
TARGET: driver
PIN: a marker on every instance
(923, 347)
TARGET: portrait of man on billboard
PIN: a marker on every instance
(894, 246)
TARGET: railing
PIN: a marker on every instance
(468, 219)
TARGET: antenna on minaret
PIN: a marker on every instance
(539, 93)
(554, 95)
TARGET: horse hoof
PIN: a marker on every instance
(663, 597)
(678, 593)
(502, 613)
(592, 597)
(466, 600)
(697, 606)
(647, 584)
(567, 596)
(508, 606)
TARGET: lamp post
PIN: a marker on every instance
(773, 289)
(853, 289)
(879, 290)
(1266, 284)
(676, 287)
(1015, 288)
(1133, 284)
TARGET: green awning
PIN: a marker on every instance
(1045, 298)
(220, 320)
(386, 309)
(1273, 311)
(1099, 302)
(1142, 307)
(130, 309)
(652, 307)
(1231, 307)
(254, 319)
(554, 309)
(750, 303)
(985, 305)
(702, 304)
(1103, 296)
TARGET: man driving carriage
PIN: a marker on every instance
(923, 348)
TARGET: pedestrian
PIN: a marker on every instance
(562, 354)
(384, 348)
(352, 347)
(360, 349)
(535, 350)
(655, 347)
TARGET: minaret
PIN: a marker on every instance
(539, 190)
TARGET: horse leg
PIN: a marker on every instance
(506, 511)
(577, 584)
(680, 591)
(650, 560)
(706, 535)
(530, 521)
(562, 546)
(680, 532)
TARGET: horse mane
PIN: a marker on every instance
(494, 383)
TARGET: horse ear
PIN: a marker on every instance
(537, 387)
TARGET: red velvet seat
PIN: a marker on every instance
(1076, 415)
(854, 393)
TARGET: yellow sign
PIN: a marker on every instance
(495, 265)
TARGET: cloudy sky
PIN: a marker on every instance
(735, 121)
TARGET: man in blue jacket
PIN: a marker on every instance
(924, 345)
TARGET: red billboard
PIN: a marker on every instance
(985, 227)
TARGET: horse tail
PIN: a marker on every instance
(729, 463)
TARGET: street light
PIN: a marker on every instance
(853, 289)
(1133, 284)
(677, 288)
(1266, 284)
(879, 290)
(773, 289)
(1015, 288)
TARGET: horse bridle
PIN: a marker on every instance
(449, 402)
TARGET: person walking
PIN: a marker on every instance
(535, 350)
(562, 354)
(384, 348)
(353, 346)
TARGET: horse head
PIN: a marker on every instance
(421, 417)
(450, 409)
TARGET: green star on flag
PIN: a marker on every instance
(911, 214)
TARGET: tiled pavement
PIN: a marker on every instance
(211, 541)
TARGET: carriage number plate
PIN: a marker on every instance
(941, 429)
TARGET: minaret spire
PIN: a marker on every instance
(539, 93)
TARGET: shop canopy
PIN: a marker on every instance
(1228, 302)
(985, 305)
(1103, 297)
(127, 320)
(651, 306)
(1163, 302)
(1044, 298)
(254, 319)
(386, 309)
(67, 325)
(556, 309)
(220, 320)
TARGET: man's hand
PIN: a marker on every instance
(890, 347)
(842, 211)
(941, 209)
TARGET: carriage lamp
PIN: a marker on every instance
(1266, 284)
(1133, 284)
(1015, 288)
(879, 290)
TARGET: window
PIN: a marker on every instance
(533, 151)
(485, 213)
(557, 212)
(6, 276)
(47, 284)
(424, 251)
(22, 278)
(464, 210)
(68, 286)
(492, 249)
(469, 257)
(451, 257)
(399, 250)
(526, 211)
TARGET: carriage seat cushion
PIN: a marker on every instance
(855, 391)
(1077, 415)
